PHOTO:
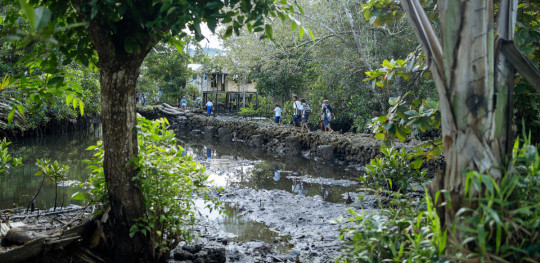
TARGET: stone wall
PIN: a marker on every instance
(348, 148)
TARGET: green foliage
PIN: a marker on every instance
(396, 171)
(527, 109)
(52, 172)
(164, 68)
(504, 224)
(407, 231)
(38, 79)
(95, 185)
(249, 112)
(402, 120)
(7, 162)
(43, 84)
(414, 66)
(169, 181)
(192, 91)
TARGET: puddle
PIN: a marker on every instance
(236, 165)
(243, 230)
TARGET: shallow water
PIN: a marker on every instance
(18, 188)
(236, 165)
(229, 165)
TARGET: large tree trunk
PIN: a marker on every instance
(120, 144)
(119, 71)
(473, 84)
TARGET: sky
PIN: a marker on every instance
(212, 40)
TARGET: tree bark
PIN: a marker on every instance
(119, 71)
(473, 83)
(120, 145)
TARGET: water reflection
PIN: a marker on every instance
(242, 230)
(18, 188)
(298, 187)
(208, 154)
(276, 173)
(236, 165)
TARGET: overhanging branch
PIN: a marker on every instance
(520, 63)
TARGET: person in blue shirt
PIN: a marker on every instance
(277, 111)
(209, 105)
(183, 102)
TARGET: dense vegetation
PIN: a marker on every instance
(364, 56)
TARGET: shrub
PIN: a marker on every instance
(52, 172)
(396, 170)
(6, 160)
(250, 112)
(169, 181)
(505, 224)
(403, 233)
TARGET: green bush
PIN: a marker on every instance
(53, 173)
(408, 231)
(6, 160)
(95, 185)
(250, 112)
(169, 181)
(396, 171)
(505, 224)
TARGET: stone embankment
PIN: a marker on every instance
(346, 149)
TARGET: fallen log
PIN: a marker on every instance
(169, 106)
(25, 245)
(171, 112)
(47, 214)
(19, 236)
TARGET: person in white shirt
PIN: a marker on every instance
(277, 111)
(306, 112)
(209, 105)
(297, 114)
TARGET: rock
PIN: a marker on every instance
(325, 152)
(256, 141)
(181, 254)
(193, 249)
(225, 134)
(348, 148)
(202, 257)
(292, 145)
(210, 131)
(217, 255)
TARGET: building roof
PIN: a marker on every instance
(195, 67)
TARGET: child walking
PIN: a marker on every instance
(328, 115)
(306, 112)
(209, 105)
(277, 111)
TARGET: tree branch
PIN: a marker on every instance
(520, 63)
(327, 27)
(425, 33)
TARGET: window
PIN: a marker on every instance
(213, 81)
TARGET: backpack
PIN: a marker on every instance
(297, 109)
(307, 111)
(327, 113)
